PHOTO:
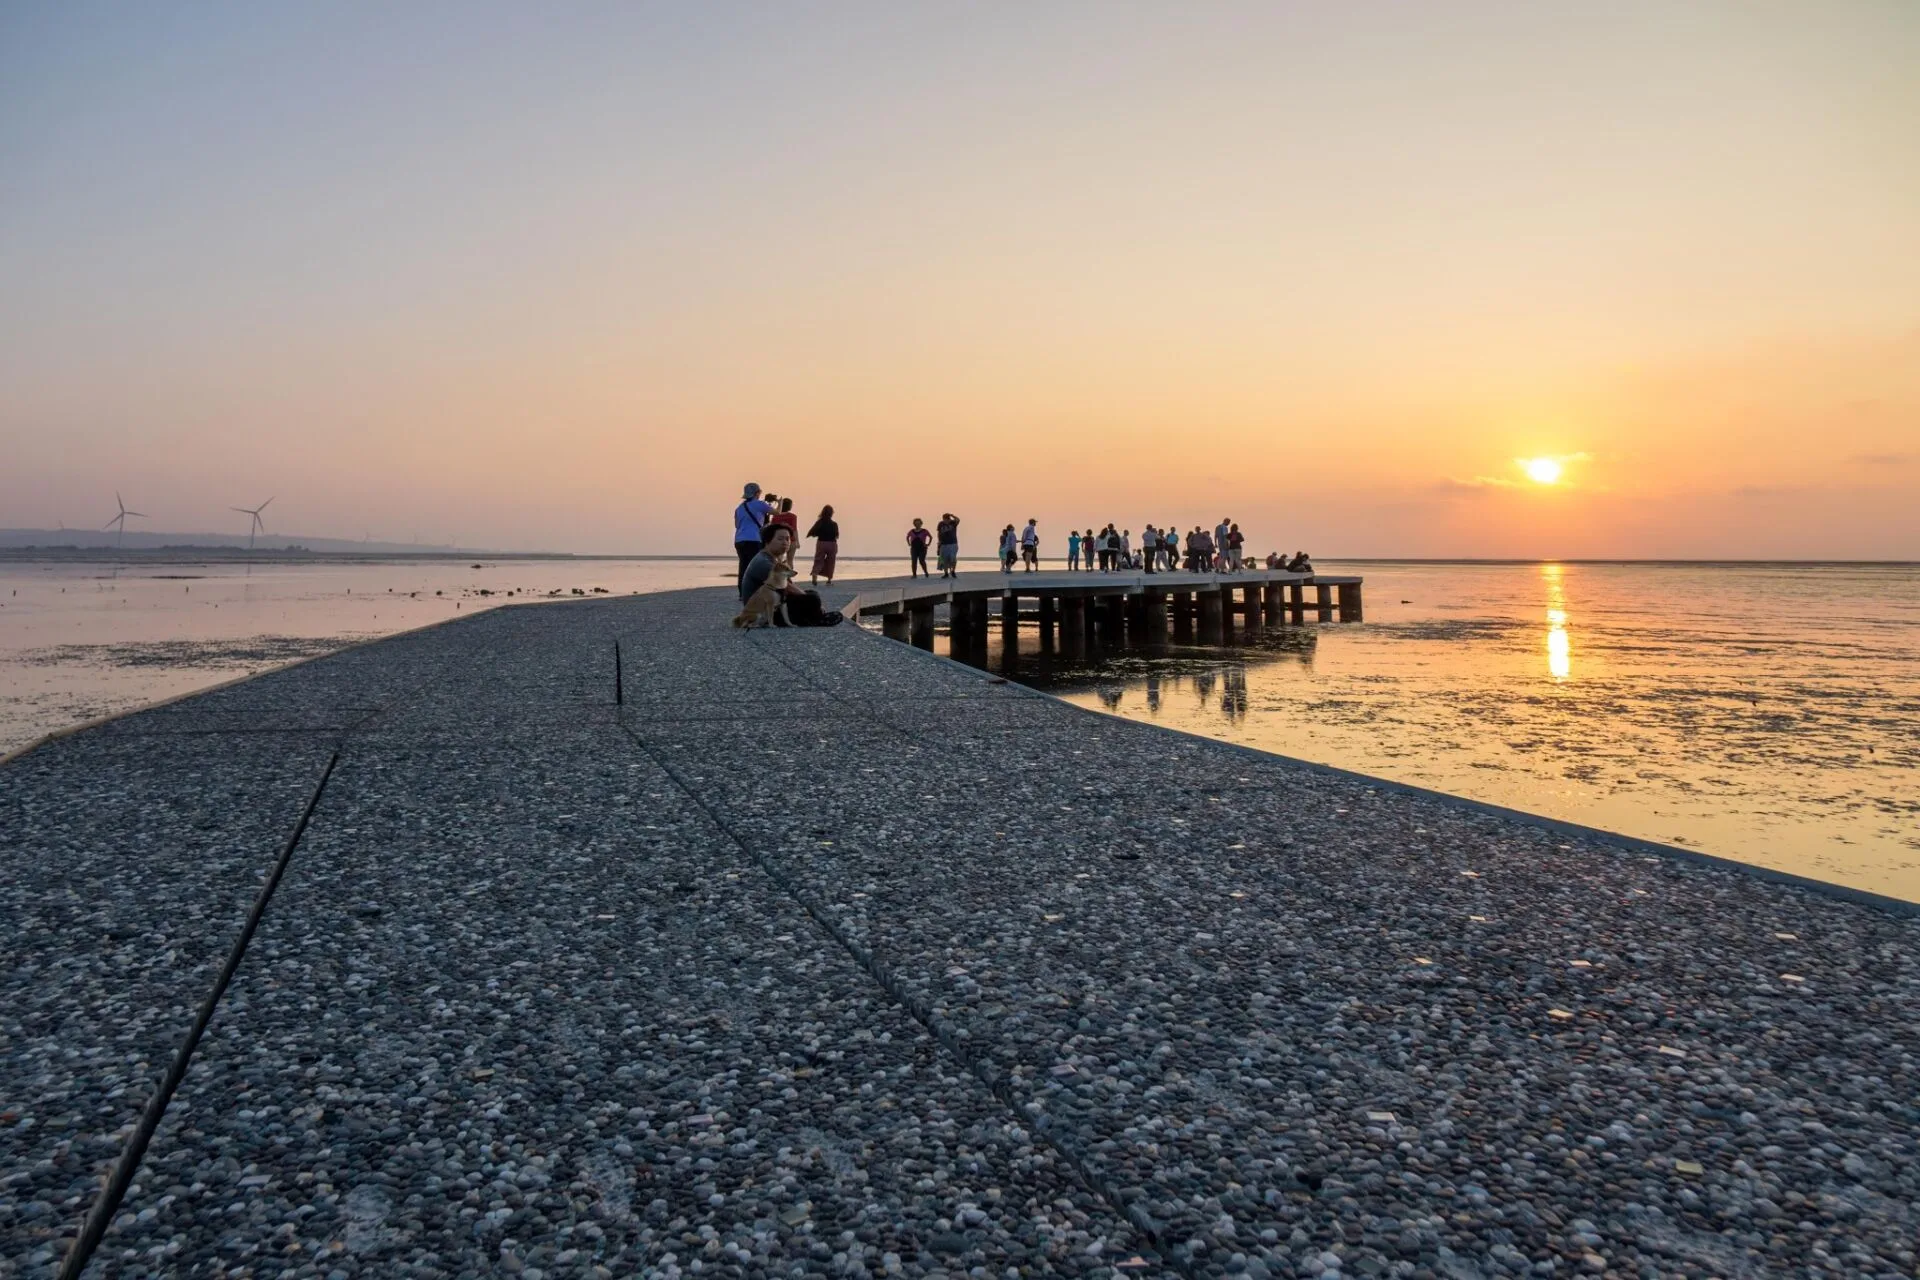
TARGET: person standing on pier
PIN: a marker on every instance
(749, 518)
(1009, 549)
(826, 547)
(1234, 544)
(1073, 548)
(917, 540)
(785, 518)
(1030, 545)
(1087, 550)
(1126, 548)
(949, 531)
(1219, 545)
(1149, 547)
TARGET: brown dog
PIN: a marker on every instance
(758, 610)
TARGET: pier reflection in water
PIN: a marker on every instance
(1154, 673)
(1678, 703)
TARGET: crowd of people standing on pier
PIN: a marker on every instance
(1110, 550)
(1167, 550)
(767, 529)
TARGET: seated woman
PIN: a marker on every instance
(768, 594)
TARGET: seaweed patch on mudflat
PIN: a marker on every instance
(254, 651)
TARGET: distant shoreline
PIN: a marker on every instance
(238, 556)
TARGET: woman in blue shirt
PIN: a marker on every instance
(749, 518)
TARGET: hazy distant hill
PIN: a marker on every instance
(152, 540)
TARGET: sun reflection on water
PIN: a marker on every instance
(1559, 647)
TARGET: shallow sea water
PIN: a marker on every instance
(1766, 713)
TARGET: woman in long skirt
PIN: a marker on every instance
(826, 546)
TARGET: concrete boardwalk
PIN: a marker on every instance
(822, 955)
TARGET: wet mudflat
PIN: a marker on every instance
(822, 955)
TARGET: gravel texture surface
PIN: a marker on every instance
(826, 957)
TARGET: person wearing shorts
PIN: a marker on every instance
(949, 531)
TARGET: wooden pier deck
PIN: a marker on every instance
(1075, 609)
(816, 955)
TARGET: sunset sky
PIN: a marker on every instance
(564, 276)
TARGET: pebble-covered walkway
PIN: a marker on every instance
(824, 956)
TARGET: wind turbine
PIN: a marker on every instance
(258, 525)
(121, 520)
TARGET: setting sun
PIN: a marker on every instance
(1541, 470)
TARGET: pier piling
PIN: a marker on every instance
(1213, 615)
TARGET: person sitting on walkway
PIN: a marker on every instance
(1030, 545)
(949, 531)
(749, 518)
(768, 595)
(775, 550)
(1300, 563)
(826, 546)
(917, 541)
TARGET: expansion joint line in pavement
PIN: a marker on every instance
(801, 673)
(974, 1062)
(107, 1203)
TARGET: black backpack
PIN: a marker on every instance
(805, 610)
